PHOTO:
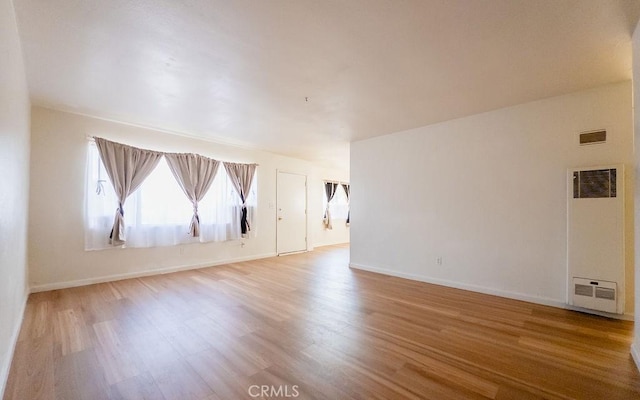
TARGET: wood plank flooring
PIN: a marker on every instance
(307, 325)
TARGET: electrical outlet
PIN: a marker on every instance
(439, 260)
(181, 250)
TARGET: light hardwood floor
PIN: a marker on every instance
(321, 330)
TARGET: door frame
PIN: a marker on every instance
(306, 212)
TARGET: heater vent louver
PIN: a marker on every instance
(593, 137)
(605, 293)
(594, 294)
(584, 290)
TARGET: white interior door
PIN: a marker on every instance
(291, 213)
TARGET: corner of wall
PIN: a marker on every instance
(6, 366)
(15, 122)
(635, 347)
(635, 354)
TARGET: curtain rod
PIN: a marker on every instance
(93, 139)
(334, 181)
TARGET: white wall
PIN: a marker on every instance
(635, 348)
(488, 194)
(56, 239)
(14, 171)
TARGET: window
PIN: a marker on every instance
(159, 213)
(339, 207)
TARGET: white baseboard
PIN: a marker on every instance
(635, 353)
(6, 366)
(495, 292)
(624, 317)
(292, 253)
(331, 243)
(138, 274)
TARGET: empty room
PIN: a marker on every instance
(319, 199)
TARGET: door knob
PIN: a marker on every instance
(279, 218)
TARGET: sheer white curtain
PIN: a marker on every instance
(159, 213)
(194, 174)
(241, 176)
(339, 206)
(330, 189)
(127, 167)
(223, 205)
(347, 192)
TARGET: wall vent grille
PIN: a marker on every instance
(594, 184)
(593, 137)
(594, 294)
(605, 293)
(584, 290)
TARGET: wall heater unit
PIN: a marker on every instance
(596, 238)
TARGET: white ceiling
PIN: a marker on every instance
(239, 71)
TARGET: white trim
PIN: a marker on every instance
(139, 274)
(330, 243)
(292, 252)
(334, 181)
(4, 372)
(625, 317)
(547, 301)
(635, 353)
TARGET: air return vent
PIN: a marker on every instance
(594, 294)
(594, 184)
(593, 137)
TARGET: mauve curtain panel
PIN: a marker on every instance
(127, 168)
(194, 173)
(330, 191)
(241, 176)
(347, 189)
